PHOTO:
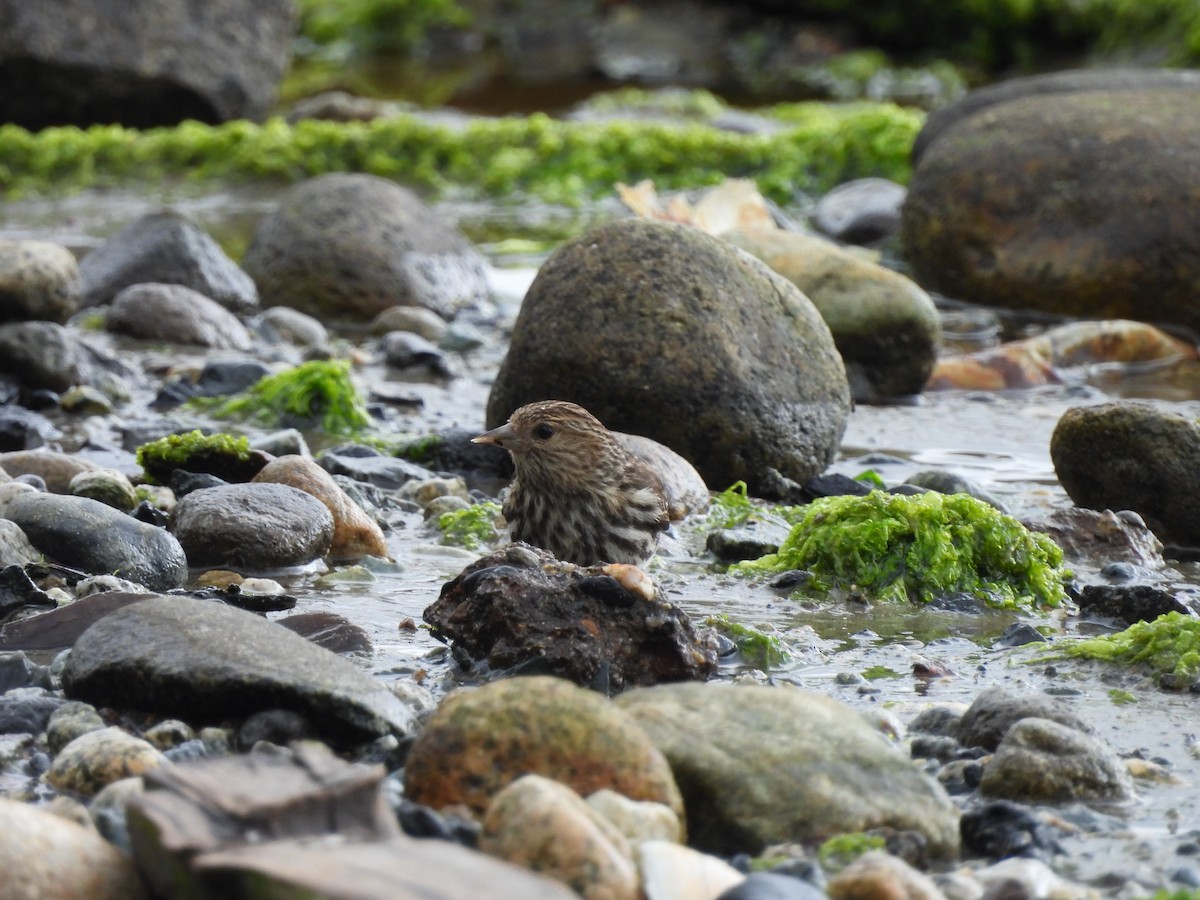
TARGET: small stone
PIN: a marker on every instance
(637, 820)
(69, 721)
(85, 400)
(415, 319)
(110, 487)
(98, 758)
(168, 733)
(880, 876)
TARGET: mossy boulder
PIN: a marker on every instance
(349, 246)
(1083, 204)
(1133, 455)
(664, 331)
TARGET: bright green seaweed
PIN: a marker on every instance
(472, 527)
(317, 390)
(900, 548)
(1168, 644)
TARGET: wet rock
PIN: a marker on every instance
(355, 534)
(107, 486)
(884, 326)
(1028, 878)
(686, 376)
(282, 324)
(369, 465)
(24, 429)
(39, 281)
(1130, 603)
(876, 874)
(70, 721)
(403, 350)
(15, 550)
(1041, 761)
(252, 526)
(540, 824)
(672, 872)
(176, 314)
(59, 628)
(637, 820)
(997, 709)
(44, 855)
(98, 758)
(86, 534)
(415, 319)
(166, 248)
(145, 64)
(977, 224)
(520, 607)
(738, 780)
(56, 469)
(480, 740)
(949, 483)
(27, 710)
(168, 733)
(205, 661)
(773, 886)
(861, 211)
(1101, 538)
(1132, 455)
(17, 671)
(85, 400)
(750, 540)
(335, 633)
(1001, 829)
(348, 246)
(40, 355)
(107, 810)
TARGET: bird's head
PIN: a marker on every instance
(554, 440)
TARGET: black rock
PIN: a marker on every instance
(220, 377)
(17, 591)
(1002, 829)
(1019, 634)
(1130, 602)
(18, 671)
(23, 429)
(834, 484)
(26, 711)
(277, 726)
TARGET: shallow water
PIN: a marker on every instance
(1001, 442)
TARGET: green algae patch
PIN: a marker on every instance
(319, 390)
(917, 548)
(842, 849)
(472, 527)
(760, 648)
(818, 147)
(733, 507)
(1169, 644)
(222, 454)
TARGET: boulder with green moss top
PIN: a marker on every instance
(227, 456)
(885, 327)
(899, 548)
(1077, 203)
(349, 246)
(664, 331)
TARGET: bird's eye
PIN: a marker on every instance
(543, 432)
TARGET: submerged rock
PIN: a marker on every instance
(661, 330)
(735, 751)
(480, 740)
(204, 662)
(607, 627)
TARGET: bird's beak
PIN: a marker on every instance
(498, 436)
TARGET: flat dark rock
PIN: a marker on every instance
(60, 628)
(207, 662)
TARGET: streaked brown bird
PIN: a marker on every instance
(577, 492)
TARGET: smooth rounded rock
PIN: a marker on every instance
(1080, 204)
(110, 487)
(861, 211)
(39, 280)
(99, 758)
(203, 662)
(661, 330)
(41, 355)
(15, 549)
(252, 526)
(44, 855)
(55, 468)
(762, 765)
(348, 246)
(355, 534)
(86, 534)
(482, 739)
(996, 709)
(166, 248)
(176, 314)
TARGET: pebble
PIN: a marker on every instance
(98, 758)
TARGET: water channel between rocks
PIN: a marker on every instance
(999, 441)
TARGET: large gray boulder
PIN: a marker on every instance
(1082, 204)
(141, 62)
(204, 662)
(349, 246)
(665, 331)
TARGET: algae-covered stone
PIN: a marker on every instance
(763, 765)
(1133, 455)
(885, 327)
(1082, 204)
(662, 330)
(482, 739)
(898, 547)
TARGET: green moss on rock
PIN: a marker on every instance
(472, 527)
(1169, 644)
(900, 548)
(193, 451)
(757, 646)
(319, 390)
